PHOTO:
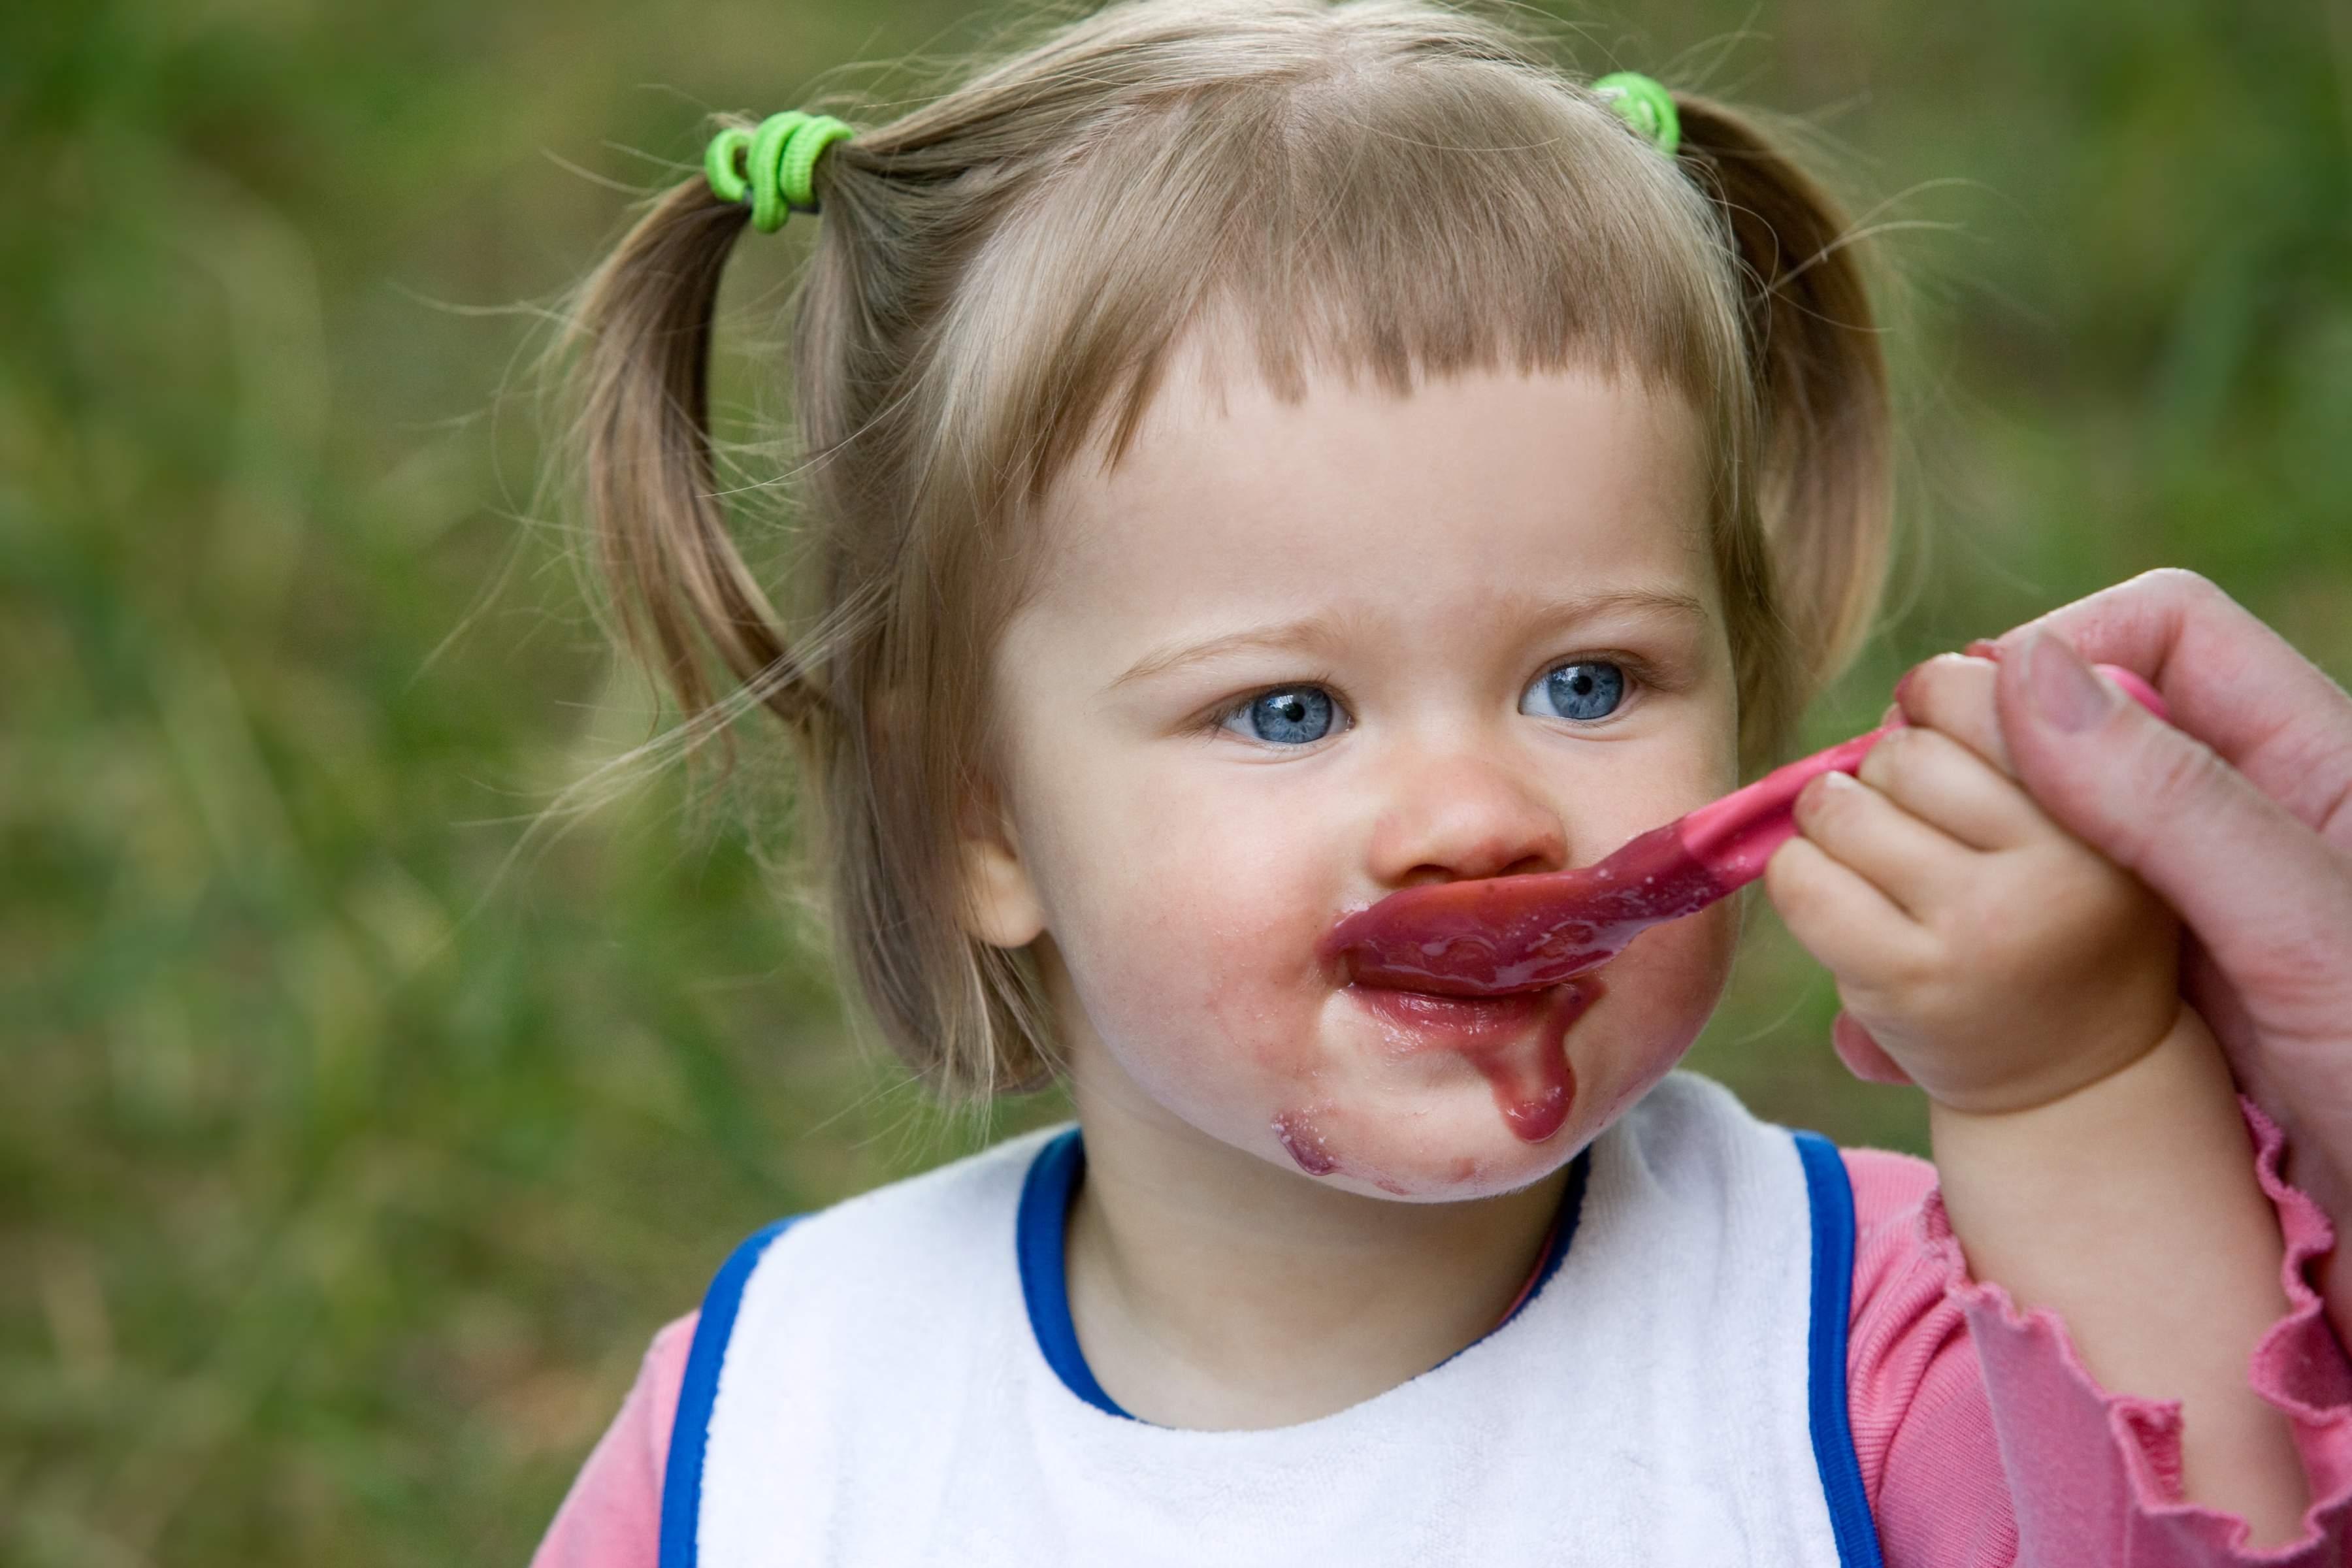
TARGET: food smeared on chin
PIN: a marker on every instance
(1517, 1043)
(1303, 1141)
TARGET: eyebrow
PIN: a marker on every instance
(1319, 631)
(1288, 636)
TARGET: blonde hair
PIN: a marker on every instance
(1379, 187)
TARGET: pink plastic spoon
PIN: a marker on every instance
(1492, 936)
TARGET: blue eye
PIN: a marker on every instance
(1291, 716)
(1584, 691)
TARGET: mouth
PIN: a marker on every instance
(1515, 1042)
(1441, 1020)
(1450, 988)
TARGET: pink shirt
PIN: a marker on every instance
(1982, 1439)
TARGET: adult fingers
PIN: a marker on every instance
(2229, 679)
(2268, 898)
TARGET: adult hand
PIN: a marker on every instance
(2238, 813)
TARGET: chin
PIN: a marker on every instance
(1449, 1101)
(1450, 1147)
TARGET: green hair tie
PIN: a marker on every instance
(774, 165)
(1643, 103)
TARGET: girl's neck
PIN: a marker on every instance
(1211, 1289)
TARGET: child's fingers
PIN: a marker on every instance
(1903, 858)
(1862, 1055)
(1852, 927)
(1942, 782)
(1953, 693)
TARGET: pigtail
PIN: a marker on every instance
(1822, 490)
(640, 341)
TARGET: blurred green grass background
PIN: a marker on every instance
(348, 1156)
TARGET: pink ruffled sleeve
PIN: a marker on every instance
(1984, 1440)
(611, 1517)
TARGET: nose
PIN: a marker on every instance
(1460, 815)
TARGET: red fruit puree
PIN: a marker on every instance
(1535, 1094)
(1516, 1042)
(1491, 937)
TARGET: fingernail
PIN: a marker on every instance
(2065, 692)
(1983, 647)
(1818, 789)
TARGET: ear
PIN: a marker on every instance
(1001, 906)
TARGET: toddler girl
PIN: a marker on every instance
(1258, 458)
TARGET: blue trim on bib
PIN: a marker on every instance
(1831, 1195)
(1044, 1213)
(689, 1434)
(1041, 1225)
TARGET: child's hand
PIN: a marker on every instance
(2000, 962)
(2089, 1150)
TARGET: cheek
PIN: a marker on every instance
(1189, 931)
(1668, 982)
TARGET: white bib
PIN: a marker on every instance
(895, 1380)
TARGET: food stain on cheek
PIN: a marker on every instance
(1304, 1142)
(1303, 1138)
(1279, 1055)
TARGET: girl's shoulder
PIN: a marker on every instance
(1889, 1188)
(611, 1516)
(1907, 1267)
(895, 1241)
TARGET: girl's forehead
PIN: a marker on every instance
(1448, 462)
(1476, 484)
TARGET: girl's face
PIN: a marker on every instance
(1289, 658)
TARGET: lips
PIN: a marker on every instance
(1457, 1022)
(1517, 1043)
